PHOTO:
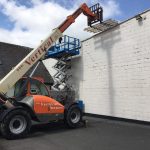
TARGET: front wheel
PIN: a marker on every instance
(16, 124)
(73, 117)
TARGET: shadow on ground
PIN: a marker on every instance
(100, 134)
(50, 128)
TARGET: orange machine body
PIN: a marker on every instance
(41, 104)
(47, 105)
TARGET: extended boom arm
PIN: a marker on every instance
(94, 15)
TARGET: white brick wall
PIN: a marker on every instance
(113, 75)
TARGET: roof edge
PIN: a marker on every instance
(15, 45)
(147, 10)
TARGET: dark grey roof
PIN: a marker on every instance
(11, 55)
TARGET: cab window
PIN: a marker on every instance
(20, 88)
(38, 88)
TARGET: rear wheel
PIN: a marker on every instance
(73, 116)
(16, 124)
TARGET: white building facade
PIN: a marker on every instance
(112, 76)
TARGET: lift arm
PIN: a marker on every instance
(36, 54)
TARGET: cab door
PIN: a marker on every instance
(46, 108)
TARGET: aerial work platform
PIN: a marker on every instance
(66, 45)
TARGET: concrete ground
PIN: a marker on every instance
(100, 134)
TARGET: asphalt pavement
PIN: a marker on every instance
(100, 134)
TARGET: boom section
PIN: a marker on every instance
(36, 54)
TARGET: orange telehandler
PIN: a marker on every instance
(17, 113)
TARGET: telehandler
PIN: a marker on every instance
(32, 100)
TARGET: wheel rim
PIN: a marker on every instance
(75, 116)
(17, 124)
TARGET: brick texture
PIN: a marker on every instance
(113, 75)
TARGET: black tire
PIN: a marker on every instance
(16, 124)
(73, 116)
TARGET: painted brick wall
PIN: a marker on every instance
(113, 74)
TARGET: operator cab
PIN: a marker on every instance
(30, 86)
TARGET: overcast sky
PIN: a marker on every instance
(27, 22)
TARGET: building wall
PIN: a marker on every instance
(113, 75)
